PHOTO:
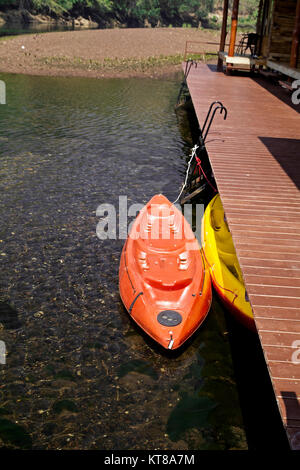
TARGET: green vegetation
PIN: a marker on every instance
(192, 411)
(136, 13)
(13, 435)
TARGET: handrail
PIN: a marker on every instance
(208, 114)
(201, 52)
(222, 108)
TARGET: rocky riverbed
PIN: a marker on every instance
(152, 52)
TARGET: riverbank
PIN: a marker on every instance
(99, 53)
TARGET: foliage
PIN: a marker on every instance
(13, 435)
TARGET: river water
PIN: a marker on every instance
(79, 374)
(11, 29)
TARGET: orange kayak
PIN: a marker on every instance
(163, 279)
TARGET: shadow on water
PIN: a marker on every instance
(9, 316)
(207, 412)
(261, 415)
(269, 84)
(32, 28)
(79, 374)
(292, 409)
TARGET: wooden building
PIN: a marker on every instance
(278, 28)
(254, 156)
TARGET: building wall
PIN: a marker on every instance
(278, 26)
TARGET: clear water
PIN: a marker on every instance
(14, 29)
(79, 373)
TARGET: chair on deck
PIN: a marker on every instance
(248, 41)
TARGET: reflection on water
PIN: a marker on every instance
(79, 372)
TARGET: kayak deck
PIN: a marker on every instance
(163, 278)
(254, 155)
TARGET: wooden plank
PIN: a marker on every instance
(295, 38)
(294, 437)
(258, 280)
(272, 301)
(233, 29)
(284, 369)
(280, 338)
(284, 325)
(192, 195)
(281, 313)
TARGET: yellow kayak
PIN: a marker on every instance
(224, 267)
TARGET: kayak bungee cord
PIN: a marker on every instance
(198, 161)
(194, 150)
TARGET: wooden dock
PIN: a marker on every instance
(255, 157)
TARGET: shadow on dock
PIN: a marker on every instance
(282, 94)
(261, 415)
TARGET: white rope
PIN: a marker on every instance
(194, 150)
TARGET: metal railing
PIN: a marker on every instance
(190, 49)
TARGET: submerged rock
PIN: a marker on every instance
(14, 435)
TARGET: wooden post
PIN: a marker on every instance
(296, 38)
(223, 33)
(234, 23)
(260, 25)
(259, 17)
